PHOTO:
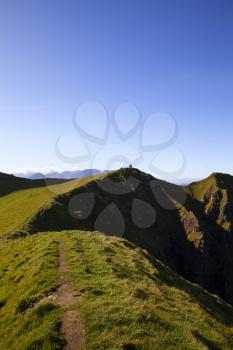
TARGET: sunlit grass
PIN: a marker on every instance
(131, 301)
(28, 272)
(17, 208)
(128, 300)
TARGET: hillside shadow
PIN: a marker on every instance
(218, 242)
(213, 305)
(207, 342)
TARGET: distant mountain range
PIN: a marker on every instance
(51, 174)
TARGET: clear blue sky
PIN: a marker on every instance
(172, 56)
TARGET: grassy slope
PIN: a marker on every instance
(129, 300)
(202, 188)
(215, 195)
(28, 270)
(19, 207)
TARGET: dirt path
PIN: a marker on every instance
(67, 298)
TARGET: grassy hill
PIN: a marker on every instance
(11, 183)
(190, 231)
(216, 197)
(24, 198)
(28, 270)
(128, 299)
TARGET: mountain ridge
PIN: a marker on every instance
(192, 232)
(52, 174)
(138, 288)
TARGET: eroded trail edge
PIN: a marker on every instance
(67, 298)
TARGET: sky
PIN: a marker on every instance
(99, 83)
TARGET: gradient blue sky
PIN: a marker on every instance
(172, 56)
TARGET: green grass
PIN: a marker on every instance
(19, 207)
(131, 301)
(28, 271)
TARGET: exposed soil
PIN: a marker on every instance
(66, 298)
